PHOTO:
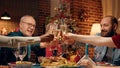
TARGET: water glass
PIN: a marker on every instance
(22, 49)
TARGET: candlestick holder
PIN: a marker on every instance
(86, 57)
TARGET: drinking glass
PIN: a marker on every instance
(58, 30)
(56, 33)
(16, 53)
(22, 49)
(63, 28)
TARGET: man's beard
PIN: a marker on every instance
(108, 34)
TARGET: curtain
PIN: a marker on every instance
(111, 7)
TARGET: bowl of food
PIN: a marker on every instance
(20, 64)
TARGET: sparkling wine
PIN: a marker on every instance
(56, 33)
(63, 28)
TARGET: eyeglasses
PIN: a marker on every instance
(29, 24)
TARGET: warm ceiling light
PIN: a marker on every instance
(5, 16)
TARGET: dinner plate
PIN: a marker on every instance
(103, 64)
(63, 67)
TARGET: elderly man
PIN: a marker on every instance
(26, 28)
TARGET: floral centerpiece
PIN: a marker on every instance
(63, 16)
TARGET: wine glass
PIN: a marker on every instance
(22, 49)
(63, 28)
(56, 33)
(16, 53)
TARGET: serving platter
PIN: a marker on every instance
(58, 62)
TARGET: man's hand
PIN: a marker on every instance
(55, 42)
(47, 37)
(67, 40)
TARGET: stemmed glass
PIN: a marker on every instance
(58, 30)
(16, 53)
(22, 49)
(62, 26)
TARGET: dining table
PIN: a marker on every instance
(33, 66)
(106, 67)
(38, 66)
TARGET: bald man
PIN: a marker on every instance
(26, 28)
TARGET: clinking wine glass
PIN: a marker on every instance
(63, 30)
(22, 49)
(56, 32)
